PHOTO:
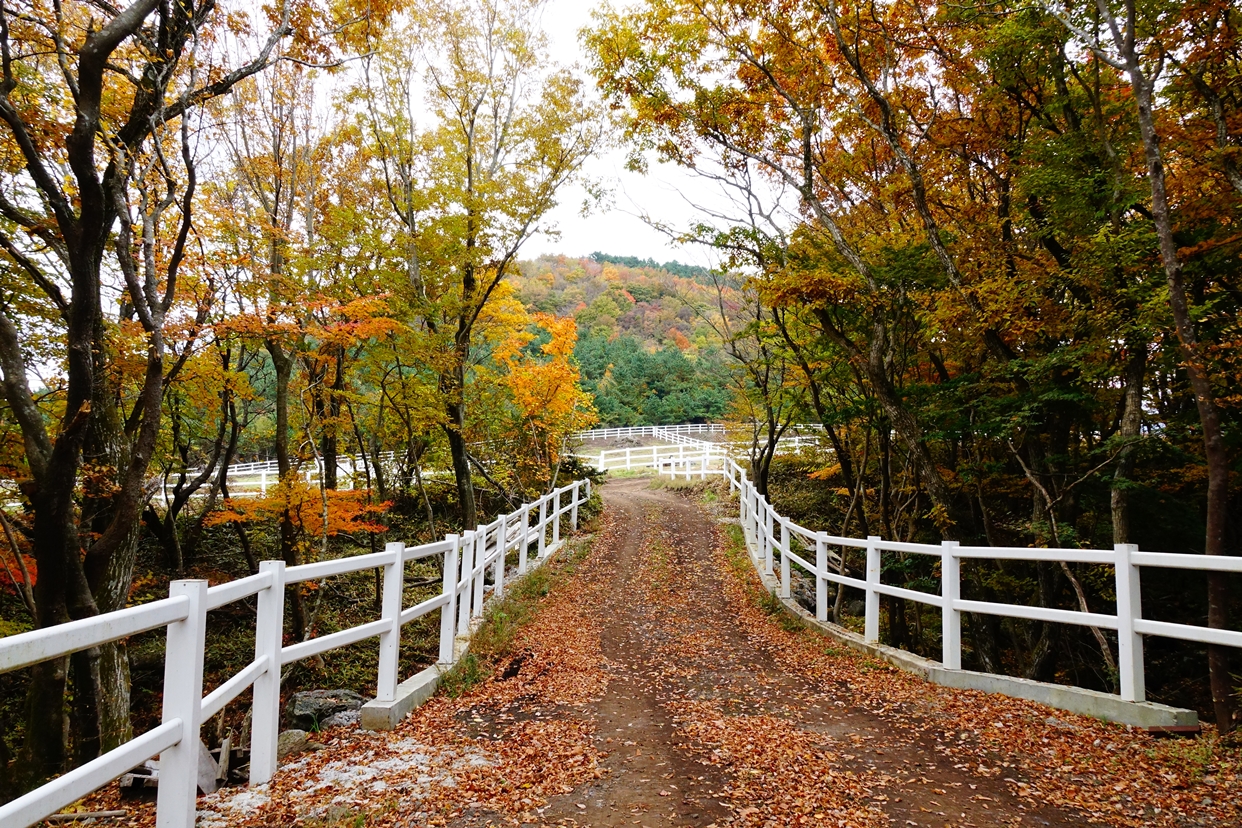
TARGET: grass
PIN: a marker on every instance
(628, 474)
(680, 484)
(739, 561)
(343, 816)
(504, 619)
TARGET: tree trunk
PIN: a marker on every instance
(330, 443)
(1196, 364)
(461, 465)
(283, 365)
(1131, 425)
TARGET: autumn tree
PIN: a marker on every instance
(961, 255)
(99, 105)
(1139, 41)
(505, 131)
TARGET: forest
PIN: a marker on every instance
(650, 337)
(990, 250)
(994, 253)
(231, 236)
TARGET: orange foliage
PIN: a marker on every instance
(546, 392)
(348, 511)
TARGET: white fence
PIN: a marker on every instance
(468, 558)
(648, 456)
(254, 479)
(630, 432)
(779, 541)
(683, 449)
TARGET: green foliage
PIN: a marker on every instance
(633, 386)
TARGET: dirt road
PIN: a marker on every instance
(698, 711)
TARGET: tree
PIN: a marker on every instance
(507, 131)
(950, 215)
(1135, 47)
(97, 106)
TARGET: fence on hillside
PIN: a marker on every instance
(468, 558)
(779, 542)
(633, 432)
(683, 450)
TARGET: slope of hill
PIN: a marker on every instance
(648, 346)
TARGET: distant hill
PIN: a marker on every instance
(646, 344)
(676, 268)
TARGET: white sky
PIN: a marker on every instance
(616, 228)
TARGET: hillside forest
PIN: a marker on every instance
(989, 253)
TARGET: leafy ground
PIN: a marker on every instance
(656, 685)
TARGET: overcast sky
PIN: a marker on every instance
(659, 193)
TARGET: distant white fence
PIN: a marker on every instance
(467, 560)
(648, 457)
(779, 541)
(632, 432)
(682, 448)
(254, 479)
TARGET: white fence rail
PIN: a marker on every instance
(773, 537)
(647, 457)
(254, 479)
(468, 559)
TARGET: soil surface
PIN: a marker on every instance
(671, 636)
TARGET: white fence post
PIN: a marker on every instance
(573, 515)
(556, 517)
(872, 627)
(263, 482)
(756, 519)
(769, 536)
(269, 634)
(950, 616)
(525, 539)
(743, 515)
(183, 699)
(478, 572)
(390, 639)
(785, 574)
(502, 549)
(466, 583)
(1129, 609)
(449, 611)
(821, 583)
(543, 527)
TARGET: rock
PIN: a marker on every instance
(311, 709)
(346, 718)
(855, 608)
(290, 742)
